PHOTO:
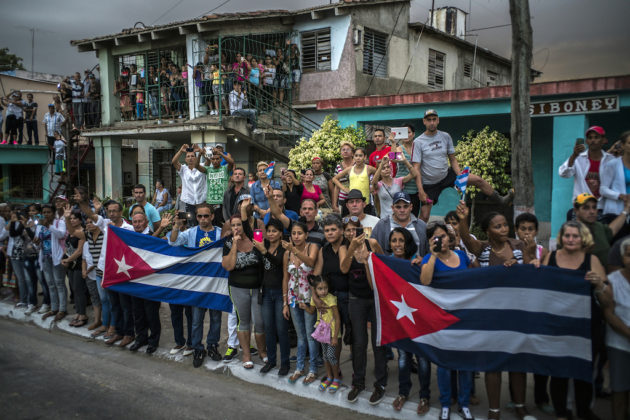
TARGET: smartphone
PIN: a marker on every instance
(395, 156)
(258, 235)
(359, 231)
(182, 215)
(190, 149)
(400, 132)
(579, 141)
(438, 244)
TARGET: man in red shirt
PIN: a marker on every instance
(382, 149)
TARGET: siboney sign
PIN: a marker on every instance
(575, 106)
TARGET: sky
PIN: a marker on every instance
(572, 38)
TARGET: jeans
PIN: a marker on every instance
(77, 112)
(214, 333)
(31, 130)
(107, 317)
(58, 289)
(362, 311)
(49, 279)
(24, 282)
(122, 312)
(304, 326)
(465, 379)
(163, 208)
(146, 317)
(276, 327)
(177, 320)
(34, 272)
(249, 113)
(404, 374)
(153, 103)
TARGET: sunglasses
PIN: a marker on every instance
(203, 216)
(349, 219)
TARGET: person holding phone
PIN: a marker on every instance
(386, 185)
(382, 149)
(584, 165)
(193, 180)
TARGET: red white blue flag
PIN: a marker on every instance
(462, 180)
(270, 169)
(519, 318)
(148, 267)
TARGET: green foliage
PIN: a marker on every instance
(488, 155)
(325, 144)
(10, 61)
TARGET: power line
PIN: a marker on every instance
(167, 12)
(212, 10)
(490, 27)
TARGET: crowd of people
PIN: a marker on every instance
(296, 251)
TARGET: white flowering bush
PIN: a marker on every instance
(325, 144)
(487, 153)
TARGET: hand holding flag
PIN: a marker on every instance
(462, 181)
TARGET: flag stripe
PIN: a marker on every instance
(496, 361)
(520, 299)
(158, 246)
(160, 261)
(217, 301)
(206, 269)
(519, 321)
(189, 283)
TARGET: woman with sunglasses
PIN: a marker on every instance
(353, 260)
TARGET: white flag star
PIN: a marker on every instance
(404, 310)
(122, 266)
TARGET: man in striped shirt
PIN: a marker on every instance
(52, 124)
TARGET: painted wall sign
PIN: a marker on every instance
(575, 106)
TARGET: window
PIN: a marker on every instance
(316, 50)
(436, 69)
(27, 181)
(491, 78)
(375, 53)
(467, 69)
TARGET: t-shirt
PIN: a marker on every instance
(626, 174)
(464, 262)
(161, 195)
(614, 254)
(602, 235)
(592, 176)
(345, 181)
(289, 213)
(152, 214)
(431, 152)
(386, 196)
(329, 300)
(368, 223)
(60, 150)
(217, 184)
(246, 273)
(216, 78)
(377, 155)
(30, 111)
(293, 198)
(204, 238)
(410, 187)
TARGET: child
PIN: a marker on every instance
(60, 154)
(359, 175)
(140, 99)
(331, 317)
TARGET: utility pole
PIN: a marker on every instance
(32, 52)
(521, 128)
(432, 9)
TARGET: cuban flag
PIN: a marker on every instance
(270, 168)
(519, 319)
(462, 180)
(148, 267)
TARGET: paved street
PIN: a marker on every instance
(53, 375)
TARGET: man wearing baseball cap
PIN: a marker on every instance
(584, 165)
(430, 151)
(401, 217)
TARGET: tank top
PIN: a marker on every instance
(312, 195)
(487, 258)
(357, 279)
(299, 287)
(330, 270)
(402, 171)
(360, 182)
(621, 294)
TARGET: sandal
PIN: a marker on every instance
(334, 386)
(423, 407)
(80, 323)
(99, 331)
(310, 378)
(248, 365)
(399, 402)
(324, 384)
(296, 375)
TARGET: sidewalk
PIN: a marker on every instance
(234, 368)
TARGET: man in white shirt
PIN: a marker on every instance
(355, 202)
(194, 183)
(238, 98)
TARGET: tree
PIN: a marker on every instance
(487, 153)
(10, 61)
(324, 143)
(520, 128)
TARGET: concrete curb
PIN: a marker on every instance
(234, 368)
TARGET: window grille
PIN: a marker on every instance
(436, 69)
(316, 50)
(375, 53)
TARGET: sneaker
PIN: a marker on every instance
(230, 353)
(445, 414)
(377, 395)
(465, 413)
(30, 309)
(14, 141)
(353, 395)
(4, 142)
(253, 351)
(284, 370)
(188, 351)
(198, 357)
(213, 352)
(20, 305)
(176, 349)
(45, 308)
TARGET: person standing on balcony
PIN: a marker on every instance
(269, 76)
(94, 101)
(87, 85)
(122, 88)
(282, 75)
(176, 91)
(134, 81)
(77, 100)
(238, 98)
(30, 117)
(193, 180)
(52, 124)
(218, 81)
(296, 73)
(15, 121)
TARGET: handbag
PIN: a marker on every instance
(322, 332)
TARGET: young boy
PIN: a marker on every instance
(60, 154)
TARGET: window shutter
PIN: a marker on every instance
(375, 53)
(436, 69)
(316, 50)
